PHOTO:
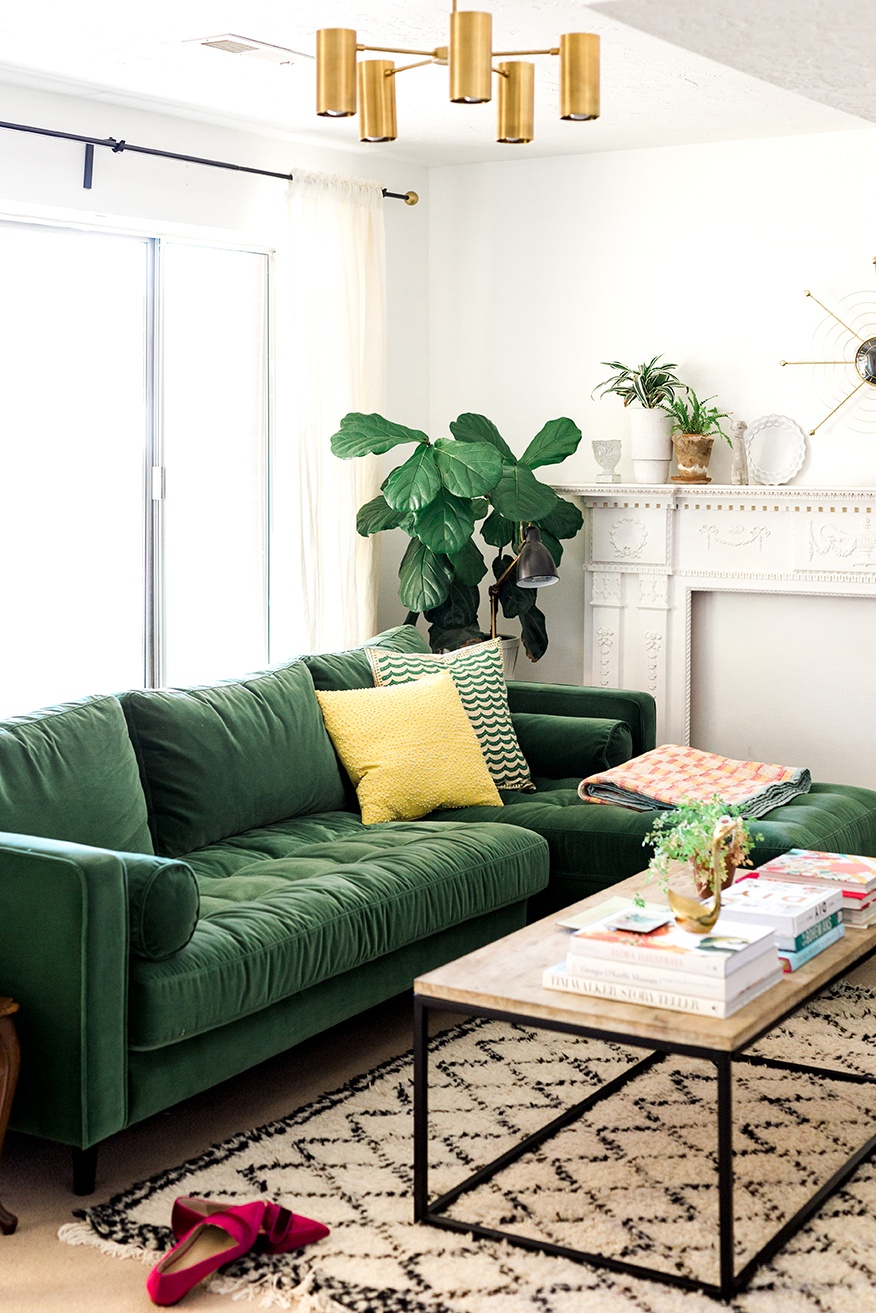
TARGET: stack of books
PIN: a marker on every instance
(640, 955)
(806, 918)
(854, 876)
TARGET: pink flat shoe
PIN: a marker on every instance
(206, 1246)
(280, 1232)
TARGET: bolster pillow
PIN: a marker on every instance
(562, 747)
(163, 905)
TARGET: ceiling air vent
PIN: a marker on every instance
(244, 45)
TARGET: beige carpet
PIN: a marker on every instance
(634, 1178)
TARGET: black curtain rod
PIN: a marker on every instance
(410, 197)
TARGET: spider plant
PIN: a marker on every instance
(690, 415)
(653, 385)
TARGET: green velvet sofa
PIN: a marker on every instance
(186, 887)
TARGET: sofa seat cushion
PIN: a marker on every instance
(223, 758)
(593, 846)
(273, 925)
(69, 772)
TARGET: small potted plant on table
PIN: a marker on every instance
(700, 844)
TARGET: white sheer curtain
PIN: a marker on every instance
(326, 596)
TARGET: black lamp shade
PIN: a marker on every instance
(535, 565)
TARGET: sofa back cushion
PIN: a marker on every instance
(221, 759)
(338, 670)
(69, 772)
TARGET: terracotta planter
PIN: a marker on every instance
(703, 876)
(692, 452)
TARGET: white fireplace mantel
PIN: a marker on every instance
(651, 549)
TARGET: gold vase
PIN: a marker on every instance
(692, 914)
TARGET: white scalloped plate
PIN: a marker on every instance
(776, 448)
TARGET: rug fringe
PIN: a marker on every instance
(80, 1233)
(267, 1292)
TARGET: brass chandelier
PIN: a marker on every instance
(341, 81)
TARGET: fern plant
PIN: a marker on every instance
(653, 385)
(690, 415)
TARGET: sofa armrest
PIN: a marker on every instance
(64, 958)
(563, 747)
(638, 710)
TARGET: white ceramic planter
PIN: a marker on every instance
(510, 650)
(650, 444)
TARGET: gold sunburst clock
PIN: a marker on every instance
(847, 341)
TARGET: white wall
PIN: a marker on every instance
(540, 270)
(42, 177)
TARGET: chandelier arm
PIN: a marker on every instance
(812, 432)
(836, 317)
(399, 50)
(502, 54)
(403, 68)
(815, 362)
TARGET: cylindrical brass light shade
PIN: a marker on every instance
(377, 100)
(579, 75)
(336, 72)
(471, 57)
(516, 101)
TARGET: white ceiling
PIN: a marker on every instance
(660, 86)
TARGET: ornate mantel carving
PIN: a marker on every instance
(682, 540)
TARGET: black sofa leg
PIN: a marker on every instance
(84, 1170)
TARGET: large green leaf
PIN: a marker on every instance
(468, 469)
(376, 515)
(533, 632)
(564, 521)
(514, 601)
(520, 604)
(364, 435)
(459, 608)
(424, 578)
(414, 484)
(446, 524)
(480, 507)
(477, 428)
(497, 531)
(519, 496)
(557, 440)
(469, 566)
(554, 546)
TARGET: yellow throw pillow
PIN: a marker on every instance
(408, 749)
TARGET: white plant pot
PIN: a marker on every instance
(650, 444)
(510, 650)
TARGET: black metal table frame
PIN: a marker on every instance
(730, 1281)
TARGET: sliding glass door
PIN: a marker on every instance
(214, 311)
(73, 322)
(133, 451)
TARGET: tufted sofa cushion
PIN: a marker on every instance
(594, 846)
(290, 905)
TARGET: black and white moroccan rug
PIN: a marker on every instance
(634, 1178)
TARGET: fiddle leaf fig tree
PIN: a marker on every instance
(438, 496)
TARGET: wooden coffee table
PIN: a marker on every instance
(503, 981)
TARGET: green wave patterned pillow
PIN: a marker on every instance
(478, 674)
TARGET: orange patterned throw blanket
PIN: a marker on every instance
(670, 774)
